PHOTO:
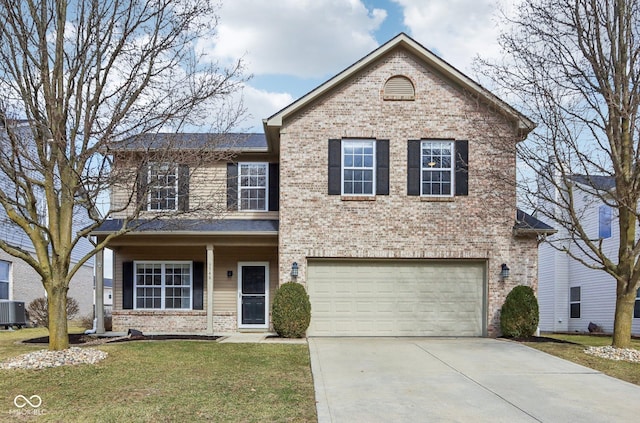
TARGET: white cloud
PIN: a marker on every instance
(457, 30)
(261, 104)
(304, 38)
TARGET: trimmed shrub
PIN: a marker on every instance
(39, 310)
(519, 314)
(291, 310)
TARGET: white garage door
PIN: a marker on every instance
(396, 298)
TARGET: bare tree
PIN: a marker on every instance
(77, 79)
(574, 67)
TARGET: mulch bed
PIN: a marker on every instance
(541, 339)
(80, 338)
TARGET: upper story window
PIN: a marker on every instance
(163, 186)
(398, 88)
(163, 285)
(358, 167)
(437, 168)
(252, 187)
(5, 268)
(604, 221)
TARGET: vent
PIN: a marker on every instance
(399, 88)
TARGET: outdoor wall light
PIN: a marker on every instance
(294, 270)
(504, 273)
(229, 273)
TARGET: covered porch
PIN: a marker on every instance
(201, 277)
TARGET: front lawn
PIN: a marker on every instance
(624, 370)
(165, 381)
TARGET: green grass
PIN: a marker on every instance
(624, 370)
(166, 381)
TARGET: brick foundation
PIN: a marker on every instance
(172, 321)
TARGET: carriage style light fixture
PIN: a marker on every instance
(504, 273)
(294, 270)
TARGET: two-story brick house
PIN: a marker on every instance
(378, 190)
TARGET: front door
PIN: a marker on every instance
(253, 295)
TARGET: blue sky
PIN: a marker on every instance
(292, 46)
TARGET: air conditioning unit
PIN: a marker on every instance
(12, 313)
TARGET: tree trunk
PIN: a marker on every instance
(58, 331)
(623, 317)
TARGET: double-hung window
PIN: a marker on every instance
(252, 186)
(437, 168)
(5, 269)
(163, 285)
(358, 167)
(163, 186)
(574, 302)
(604, 221)
(636, 306)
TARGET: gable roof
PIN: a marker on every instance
(402, 40)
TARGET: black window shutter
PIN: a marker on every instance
(183, 187)
(232, 186)
(382, 167)
(198, 285)
(335, 162)
(413, 167)
(462, 167)
(127, 285)
(274, 187)
(141, 188)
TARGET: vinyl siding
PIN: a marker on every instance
(559, 273)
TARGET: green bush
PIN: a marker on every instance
(291, 310)
(519, 314)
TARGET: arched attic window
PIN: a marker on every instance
(399, 88)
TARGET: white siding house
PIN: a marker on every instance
(20, 282)
(570, 294)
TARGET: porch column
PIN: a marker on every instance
(210, 288)
(99, 299)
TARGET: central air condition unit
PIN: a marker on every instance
(12, 313)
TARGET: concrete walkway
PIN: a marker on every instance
(460, 380)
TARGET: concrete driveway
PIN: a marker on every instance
(460, 380)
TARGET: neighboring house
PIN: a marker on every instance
(384, 191)
(107, 295)
(18, 280)
(570, 294)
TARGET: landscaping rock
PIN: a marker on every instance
(45, 358)
(611, 353)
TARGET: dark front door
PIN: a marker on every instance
(253, 294)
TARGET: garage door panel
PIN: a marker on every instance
(396, 298)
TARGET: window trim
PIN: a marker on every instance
(266, 186)
(151, 187)
(452, 168)
(574, 302)
(374, 174)
(163, 285)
